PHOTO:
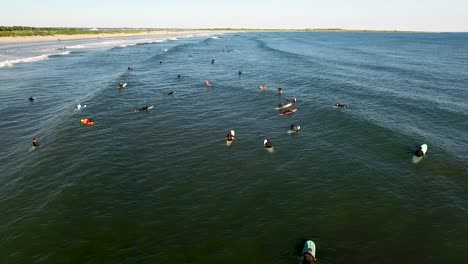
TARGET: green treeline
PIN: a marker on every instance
(17, 31)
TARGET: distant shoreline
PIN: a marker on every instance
(50, 36)
(67, 37)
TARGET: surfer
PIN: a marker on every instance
(160, 62)
(280, 90)
(31, 98)
(263, 87)
(267, 143)
(208, 83)
(308, 258)
(121, 85)
(212, 61)
(35, 143)
(287, 112)
(178, 76)
(294, 128)
(171, 93)
(419, 152)
(341, 105)
(240, 72)
(144, 108)
(130, 68)
(294, 99)
(229, 136)
(280, 105)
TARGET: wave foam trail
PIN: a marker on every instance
(10, 63)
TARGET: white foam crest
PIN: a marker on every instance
(76, 47)
(10, 63)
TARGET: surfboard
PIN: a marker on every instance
(268, 149)
(289, 112)
(417, 159)
(83, 120)
(233, 133)
(294, 132)
(284, 106)
(123, 85)
(310, 244)
(138, 110)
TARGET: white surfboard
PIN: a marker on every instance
(310, 244)
(233, 133)
(294, 132)
(417, 159)
(268, 149)
(149, 108)
(123, 85)
(284, 106)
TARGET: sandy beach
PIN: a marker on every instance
(32, 39)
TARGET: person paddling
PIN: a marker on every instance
(35, 143)
(341, 105)
(144, 108)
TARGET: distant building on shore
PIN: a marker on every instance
(94, 29)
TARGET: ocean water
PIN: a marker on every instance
(162, 186)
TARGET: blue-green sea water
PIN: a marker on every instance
(162, 187)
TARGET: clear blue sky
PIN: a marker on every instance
(429, 15)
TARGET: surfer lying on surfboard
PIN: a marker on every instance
(289, 111)
(144, 108)
(35, 143)
(341, 105)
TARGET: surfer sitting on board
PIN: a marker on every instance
(229, 136)
(293, 127)
(342, 105)
(419, 152)
(267, 143)
(35, 143)
(31, 98)
(308, 258)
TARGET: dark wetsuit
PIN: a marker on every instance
(268, 144)
(229, 137)
(35, 143)
(419, 153)
(293, 127)
(341, 105)
(307, 258)
(31, 99)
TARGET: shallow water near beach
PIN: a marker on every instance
(162, 187)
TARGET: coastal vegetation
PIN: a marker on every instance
(19, 31)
